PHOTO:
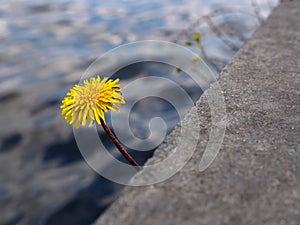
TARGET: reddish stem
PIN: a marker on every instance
(119, 146)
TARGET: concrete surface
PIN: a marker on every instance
(255, 178)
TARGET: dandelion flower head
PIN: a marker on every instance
(88, 102)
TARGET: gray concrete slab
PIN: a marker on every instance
(255, 178)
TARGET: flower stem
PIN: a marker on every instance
(119, 146)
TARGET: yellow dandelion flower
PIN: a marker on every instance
(88, 102)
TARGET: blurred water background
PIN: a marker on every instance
(46, 46)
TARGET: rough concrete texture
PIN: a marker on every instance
(255, 178)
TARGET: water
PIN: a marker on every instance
(45, 48)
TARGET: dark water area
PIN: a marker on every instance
(45, 48)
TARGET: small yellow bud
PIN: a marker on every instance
(188, 43)
(196, 58)
(197, 36)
